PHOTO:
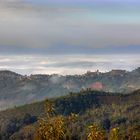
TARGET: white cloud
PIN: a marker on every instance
(68, 64)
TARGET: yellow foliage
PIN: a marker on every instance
(53, 129)
(49, 108)
(114, 134)
(95, 133)
(73, 117)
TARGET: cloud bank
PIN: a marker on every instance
(68, 64)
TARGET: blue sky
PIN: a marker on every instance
(66, 27)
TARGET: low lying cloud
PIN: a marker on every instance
(67, 64)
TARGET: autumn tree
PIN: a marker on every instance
(71, 125)
(95, 133)
(51, 127)
(114, 134)
(49, 109)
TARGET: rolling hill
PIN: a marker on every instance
(17, 89)
(92, 106)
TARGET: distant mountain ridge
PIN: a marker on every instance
(17, 89)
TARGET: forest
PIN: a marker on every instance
(87, 115)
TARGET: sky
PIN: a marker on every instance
(56, 31)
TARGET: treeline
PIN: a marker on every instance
(85, 99)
